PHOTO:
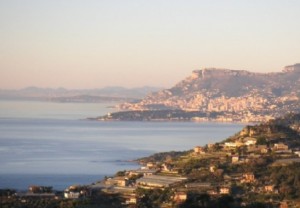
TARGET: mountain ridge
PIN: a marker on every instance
(116, 93)
(230, 91)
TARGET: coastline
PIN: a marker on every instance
(181, 116)
(174, 120)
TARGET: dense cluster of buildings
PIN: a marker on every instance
(248, 108)
(239, 95)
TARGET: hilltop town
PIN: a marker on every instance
(234, 95)
(257, 167)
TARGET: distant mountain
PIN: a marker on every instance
(242, 95)
(118, 94)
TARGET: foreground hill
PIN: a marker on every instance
(240, 94)
(257, 167)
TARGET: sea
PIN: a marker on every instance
(53, 144)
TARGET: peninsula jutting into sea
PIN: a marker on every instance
(219, 95)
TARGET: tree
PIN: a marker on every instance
(261, 140)
(196, 200)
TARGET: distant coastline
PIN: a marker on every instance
(106, 94)
(176, 115)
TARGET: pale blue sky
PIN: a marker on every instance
(97, 43)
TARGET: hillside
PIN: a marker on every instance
(280, 130)
(246, 95)
(257, 167)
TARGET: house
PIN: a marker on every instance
(248, 178)
(233, 144)
(150, 165)
(235, 159)
(73, 192)
(199, 150)
(180, 197)
(263, 149)
(250, 141)
(230, 144)
(280, 146)
(131, 199)
(117, 181)
(121, 181)
(212, 168)
(269, 188)
(224, 190)
(297, 153)
(211, 146)
(258, 149)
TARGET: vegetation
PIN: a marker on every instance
(100, 200)
(149, 198)
(147, 115)
(162, 156)
(287, 179)
(283, 180)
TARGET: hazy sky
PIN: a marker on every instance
(97, 43)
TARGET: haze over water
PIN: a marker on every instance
(50, 144)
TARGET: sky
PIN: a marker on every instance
(87, 44)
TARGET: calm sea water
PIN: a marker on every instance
(51, 144)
